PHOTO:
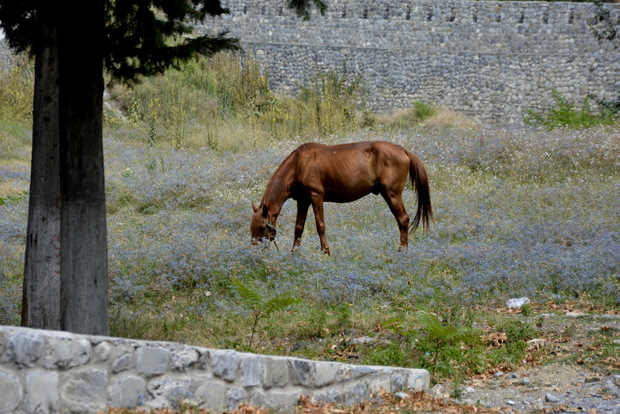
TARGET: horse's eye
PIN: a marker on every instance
(262, 228)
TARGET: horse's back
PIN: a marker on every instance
(346, 172)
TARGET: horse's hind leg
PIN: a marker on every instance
(395, 201)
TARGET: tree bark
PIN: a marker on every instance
(84, 275)
(41, 289)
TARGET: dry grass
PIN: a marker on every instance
(443, 117)
(439, 118)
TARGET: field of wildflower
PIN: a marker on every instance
(518, 212)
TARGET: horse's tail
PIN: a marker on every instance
(420, 182)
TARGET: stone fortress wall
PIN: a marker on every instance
(59, 372)
(493, 60)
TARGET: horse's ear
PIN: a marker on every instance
(254, 207)
(265, 210)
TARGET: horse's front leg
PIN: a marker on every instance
(317, 206)
(302, 213)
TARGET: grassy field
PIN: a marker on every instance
(518, 213)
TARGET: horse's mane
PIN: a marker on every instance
(307, 147)
(279, 184)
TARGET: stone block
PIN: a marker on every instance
(123, 357)
(66, 353)
(152, 360)
(225, 364)
(184, 358)
(355, 392)
(11, 392)
(301, 372)
(128, 391)
(25, 348)
(257, 398)
(42, 392)
(398, 382)
(83, 391)
(284, 399)
(418, 379)
(102, 351)
(329, 395)
(212, 395)
(275, 372)
(326, 373)
(236, 396)
(122, 362)
(250, 370)
(169, 392)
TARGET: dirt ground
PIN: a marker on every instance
(580, 373)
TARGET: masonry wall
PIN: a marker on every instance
(59, 372)
(488, 59)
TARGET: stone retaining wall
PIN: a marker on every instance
(488, 59)
(49, 372)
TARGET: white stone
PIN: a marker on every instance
(26, 348)
(11, 392)
(275, 372)
(84, 391)
(326, 373)
(66, 353)
(236, 396)
(517, 303)
(225, 364)
(152, 360)
(184, 358)
(128, 391)
(212, 395)
(250, 370)
(102, 351)
(42, 392)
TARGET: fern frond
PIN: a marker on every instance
(278, 303)
(250, 297)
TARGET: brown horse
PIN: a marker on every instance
(314, 173)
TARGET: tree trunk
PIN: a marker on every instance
(41, 292)
(84, 279)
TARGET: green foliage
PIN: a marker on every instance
(13, 198)
(449, 344)
(16, 86)
(423, 110)
(565, 114)
(260, 307)
(448, 347)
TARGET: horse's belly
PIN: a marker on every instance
(345, 197)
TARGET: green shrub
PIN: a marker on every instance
(423, 110)
(564, 113)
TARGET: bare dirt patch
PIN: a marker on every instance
(580, 371)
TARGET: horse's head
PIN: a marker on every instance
(263, 225)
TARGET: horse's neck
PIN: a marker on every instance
(279, 188)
